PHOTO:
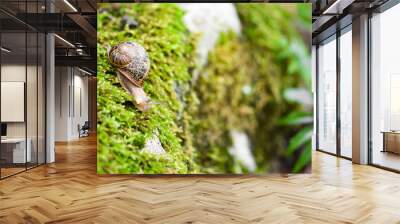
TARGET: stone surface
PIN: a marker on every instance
(127, 20)
(153, 145)
(241, 149)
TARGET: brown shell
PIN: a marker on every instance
(131, 60)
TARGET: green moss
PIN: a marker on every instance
(223, 105)
(262, 61)
(240, 88)
(122, 129)
(282, 62)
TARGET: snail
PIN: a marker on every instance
(132, 64)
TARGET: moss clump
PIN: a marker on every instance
(122, 129)
(223, 105)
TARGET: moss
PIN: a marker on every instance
(223, 106)
(281, 60)
(262, 61)
(122, 129)
(240, 88)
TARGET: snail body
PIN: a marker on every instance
(132, 64)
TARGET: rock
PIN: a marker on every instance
(180, 91)
(241, 149)
(210, 20)
(153, 145)
(127, 20)
(103, 10)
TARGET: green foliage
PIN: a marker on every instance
(281, 59)
(305, 14)
(272, 29)
(300, 143)
(304, 159)
(295, 118)
(122, 129)
(298, 140)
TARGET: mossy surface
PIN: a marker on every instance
(240, 88)
(282, 62)
(122, 129)
(223, 105)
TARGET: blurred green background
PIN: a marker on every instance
(256, 83)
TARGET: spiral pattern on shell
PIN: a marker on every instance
(131, 60)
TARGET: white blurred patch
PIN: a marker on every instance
(246, 89)
(299, 95)
(210, 19)
(241, 149)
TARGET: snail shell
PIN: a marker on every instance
(131, 60)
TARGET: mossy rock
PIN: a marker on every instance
(122, 129)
